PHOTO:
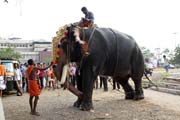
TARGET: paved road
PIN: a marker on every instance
(108, 105)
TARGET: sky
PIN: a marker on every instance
(152, 23)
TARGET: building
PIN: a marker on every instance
(29, 49)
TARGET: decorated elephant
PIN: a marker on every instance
(102, 51)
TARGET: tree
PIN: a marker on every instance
(9, 53)
(176, 59)
(146, 52)
(166, 51)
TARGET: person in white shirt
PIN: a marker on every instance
(18, 79)
(24, 80)
(72, 73)
(166, 63)
(148, 67)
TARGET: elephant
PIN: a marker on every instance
(109, 53)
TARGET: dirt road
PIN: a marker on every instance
(108, 106)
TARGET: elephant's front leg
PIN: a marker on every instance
(79, 87)
(87, 87)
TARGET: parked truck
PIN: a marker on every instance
(9, 65)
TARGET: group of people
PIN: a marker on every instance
(149, 66)
(35, 74)
(30, 77)
(46, 77)
(102, 82)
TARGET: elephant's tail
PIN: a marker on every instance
(150, 81)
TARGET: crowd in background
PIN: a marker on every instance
(151, 64)
(47, 79)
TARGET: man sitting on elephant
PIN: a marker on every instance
(88, 20)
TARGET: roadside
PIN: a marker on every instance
(165, 100)
(108, 105)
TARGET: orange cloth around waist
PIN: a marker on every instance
(2, 70)
(29, 70)
(34, 89)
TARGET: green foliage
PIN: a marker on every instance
(9, 53)
(146, 52)
(166, 51)
(176, 59)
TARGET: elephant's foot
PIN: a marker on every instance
(105, 90)
(139, 95)
(86, 106)
(129, 95)
(77, 103)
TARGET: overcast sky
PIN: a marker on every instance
(151, 22)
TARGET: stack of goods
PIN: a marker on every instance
(60, 34)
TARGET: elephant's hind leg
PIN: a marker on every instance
(138, 88)
(129, 92)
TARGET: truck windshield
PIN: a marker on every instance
(8, 66)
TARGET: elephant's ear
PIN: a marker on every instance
(70, 36)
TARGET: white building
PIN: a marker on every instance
(29, 49)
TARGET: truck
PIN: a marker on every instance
(9, 65)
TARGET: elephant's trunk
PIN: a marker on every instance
(61, 73)
(58, 70)
(72, 89)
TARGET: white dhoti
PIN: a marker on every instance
(2, 85)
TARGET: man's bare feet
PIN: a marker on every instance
(35, 113)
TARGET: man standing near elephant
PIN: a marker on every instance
(103, 80)
(33, 85)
